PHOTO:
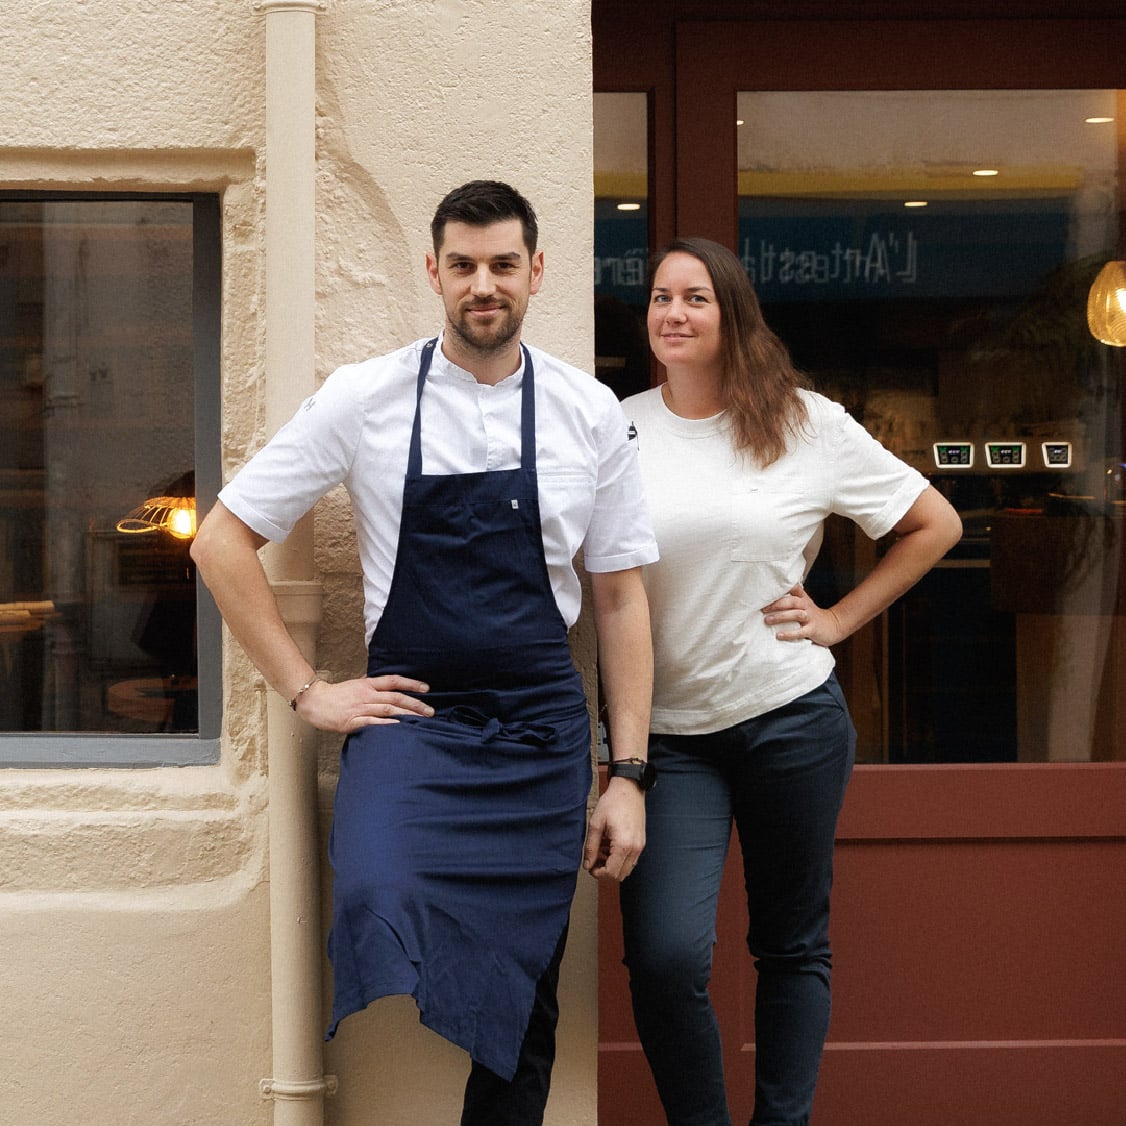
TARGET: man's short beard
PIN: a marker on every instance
(495, 344)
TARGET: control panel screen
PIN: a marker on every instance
(1057, 455)
(1004, 455)
(953, 455)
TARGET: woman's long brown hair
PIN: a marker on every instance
(759, 382)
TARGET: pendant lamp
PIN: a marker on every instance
(174, 515)
(172, 512)
(1106, 305)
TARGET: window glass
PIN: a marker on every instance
(99, 338)
(927, 257)
(621, 241)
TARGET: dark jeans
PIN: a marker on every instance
(491, 1100)
(781, 778)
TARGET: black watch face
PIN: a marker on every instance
(643, 773)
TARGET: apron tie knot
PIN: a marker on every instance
(489, 727)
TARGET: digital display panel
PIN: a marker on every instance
(1057, 455)
(953, 455)
(1004, 455)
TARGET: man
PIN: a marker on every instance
(477, 468)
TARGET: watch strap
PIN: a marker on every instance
(636, 770)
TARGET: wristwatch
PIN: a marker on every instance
(637, 770)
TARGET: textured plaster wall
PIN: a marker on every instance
(413, 99)
(134, 905)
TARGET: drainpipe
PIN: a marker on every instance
(298, 1085)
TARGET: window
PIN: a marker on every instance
(109, 339)
(621, 241)
(927, 255)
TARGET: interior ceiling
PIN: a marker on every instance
(824, 144)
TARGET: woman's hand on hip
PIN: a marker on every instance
(351, 704)
(802, 619)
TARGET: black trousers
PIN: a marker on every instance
(493, 1101)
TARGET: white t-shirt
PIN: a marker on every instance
(733, 538)
(356, 430)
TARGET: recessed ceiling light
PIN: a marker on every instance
(738, 121)
(1098, 120)
(915, 203)
(985, 172)
(629, 206)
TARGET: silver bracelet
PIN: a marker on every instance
(301, 692)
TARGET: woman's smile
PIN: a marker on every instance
(684, 319)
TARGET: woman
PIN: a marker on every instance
(742, 466)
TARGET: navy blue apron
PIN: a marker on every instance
(456, 839)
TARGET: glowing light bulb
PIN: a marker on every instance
(181, 522)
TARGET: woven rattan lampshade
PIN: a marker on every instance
(174, 515)
(173, 511)
(1106, 305)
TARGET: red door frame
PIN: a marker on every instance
(978, 909)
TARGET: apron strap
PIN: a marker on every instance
(527, 412)
(414, 459)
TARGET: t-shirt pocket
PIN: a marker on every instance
(759, 529)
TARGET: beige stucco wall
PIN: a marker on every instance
(134, 905)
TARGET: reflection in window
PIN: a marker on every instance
(97, 434)
(621, 241)
(927, 257)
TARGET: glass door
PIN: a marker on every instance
(922, 206)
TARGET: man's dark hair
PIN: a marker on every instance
(481, 202)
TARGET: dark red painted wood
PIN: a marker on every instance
(980, 969)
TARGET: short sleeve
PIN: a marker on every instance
(620, 534)
(307, 457)
(872, 486)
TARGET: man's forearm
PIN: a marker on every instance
(625, 657)
(226, 552)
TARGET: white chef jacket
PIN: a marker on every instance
(356, 431)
